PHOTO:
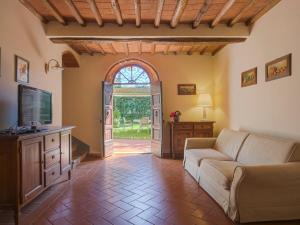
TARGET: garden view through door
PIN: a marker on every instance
(131, 111)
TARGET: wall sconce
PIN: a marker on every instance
(56, 65)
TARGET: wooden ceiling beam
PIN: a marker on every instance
(160, 5)
(201, 13)
(151, 40)
(54, 12)
(117, 11)
(180, 7)
(95, 12)
(137, 9)
(203, 50)
(34, 11)
(262, 12)
(217, 49)
(140, 47)
(192, 49)
(241, 13)
(55, 29)
(166, 50)
(179, 50)
(112, 48)
(126, 48)
(101, 49)
(75, 12)
(153, 48)
(87, 49)
(223, 11)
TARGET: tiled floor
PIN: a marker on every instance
(126, 146)
(132, 189)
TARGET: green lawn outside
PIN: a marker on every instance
(134, 132)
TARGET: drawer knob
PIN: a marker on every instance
(53, 173)
(53, 157)
(52, 140)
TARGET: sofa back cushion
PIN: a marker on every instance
(229, 142)
(259, 149)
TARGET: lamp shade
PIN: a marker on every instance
(205, 100)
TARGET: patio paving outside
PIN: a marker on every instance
(127, 146)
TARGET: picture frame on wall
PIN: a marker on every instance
(279, 68)
(21, 70)
(186, 89)
(249, 77)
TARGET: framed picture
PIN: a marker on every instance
(186, 89)
(21, 69)
(278, 68)
(249, 77)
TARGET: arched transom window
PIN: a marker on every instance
(132, 75)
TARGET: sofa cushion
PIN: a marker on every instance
(195, 156)
(259, 149)
(221, 172)
(229, 142)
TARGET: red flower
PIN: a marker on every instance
(172, 114)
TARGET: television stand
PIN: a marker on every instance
(21, 182)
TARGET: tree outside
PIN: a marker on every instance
(131, 117)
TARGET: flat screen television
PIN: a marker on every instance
(35, 106)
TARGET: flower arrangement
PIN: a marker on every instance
(174, 116)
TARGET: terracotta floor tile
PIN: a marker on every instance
(119, 221)
(113, 214)
(132, 189)
(123, 205)
(131, 213)
(42, 221)
(139, 205)
(155, 220)
(61, 221)
(139, 221)
(148, 213)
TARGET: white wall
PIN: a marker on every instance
(21, 33)
(82, 91)
(269, 107)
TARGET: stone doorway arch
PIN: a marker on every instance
(112, 71)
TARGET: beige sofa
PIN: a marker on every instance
(252, 177)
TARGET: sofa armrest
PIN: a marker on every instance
(196, 143)
(265, 192)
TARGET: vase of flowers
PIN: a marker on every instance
(174, 116)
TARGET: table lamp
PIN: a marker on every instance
(204, 101)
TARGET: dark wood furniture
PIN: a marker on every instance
(179, 131)
(31, 163)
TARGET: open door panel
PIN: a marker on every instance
(107, 118)
(156, 107)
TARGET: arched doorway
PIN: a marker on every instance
(135, 79)
(69, 60)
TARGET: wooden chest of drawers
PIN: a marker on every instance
(179, 131)
(31, 163)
